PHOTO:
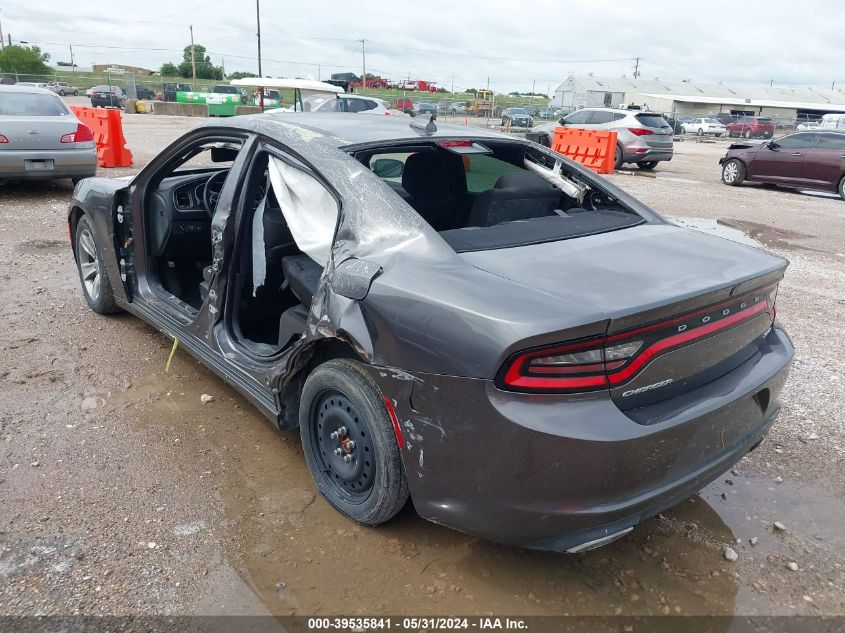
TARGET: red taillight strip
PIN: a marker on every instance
(395, 421)
(685, 337)
(555, 384)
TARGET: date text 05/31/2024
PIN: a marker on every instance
(415, 624)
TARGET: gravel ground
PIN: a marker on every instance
(121, 493)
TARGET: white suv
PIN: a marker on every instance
(642, 137)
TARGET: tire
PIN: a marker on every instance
(339, 394)
(841, 188)
(733, 172)
(700, 132)
(747, 134)
(718, 135)
(95, 283)
(618, 160)
(648, 165)
(683, 130)
(76, 93)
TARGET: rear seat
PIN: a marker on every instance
(303, 275)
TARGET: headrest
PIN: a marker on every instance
(426, 176)
(521, 180)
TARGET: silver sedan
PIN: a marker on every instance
(41, 139)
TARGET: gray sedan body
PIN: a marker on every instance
(41, 138)
(558, 368)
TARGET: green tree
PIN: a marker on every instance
(205, 69)
(239, 74)
(25, 60)
(169, 70)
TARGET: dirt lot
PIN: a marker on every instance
(120, 493)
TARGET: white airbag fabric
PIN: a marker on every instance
(309, 210)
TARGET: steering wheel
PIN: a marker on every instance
(211, 193)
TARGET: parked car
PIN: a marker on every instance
(832, 121)
(40, 138)
(804, 160)
(170, 89)
(344, 102)
(517, 116)
(425, 108)
(404, 104)
(444, 106)
(546, 370)
(546, 113)
(231, 90)
(144, 93)
(62, 88)
(751, 126)
(458, 107)
(808, 125)
(107, 97)
(702, 126)
(642, 138)
(532, 110)
(33, 84)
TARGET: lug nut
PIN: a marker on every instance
(347, 458)
(350, 445)
(339, 433)
(338, 451)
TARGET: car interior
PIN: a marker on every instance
(480, 197)
(477, 197)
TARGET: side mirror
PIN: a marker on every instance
(562, 120)
(773, 146)
(388, 168)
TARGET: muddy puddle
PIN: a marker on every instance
(299, 556)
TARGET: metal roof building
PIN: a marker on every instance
(688, 97)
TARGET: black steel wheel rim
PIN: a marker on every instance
(343, 446)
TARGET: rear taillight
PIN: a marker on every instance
(82, 135)
(601, 362)
(638, 131)
(3, 139)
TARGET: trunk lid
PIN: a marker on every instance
(694, 302)
(37, 133)
(661, 136)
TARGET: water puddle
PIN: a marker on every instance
(717, 228)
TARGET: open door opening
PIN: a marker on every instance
(283, 244)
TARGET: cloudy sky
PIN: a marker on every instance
(515, 46)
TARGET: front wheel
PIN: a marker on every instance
(95, 282)
(618, 159)
(733, 172)
(700, 132)
(683, 130)
(350, 443)
(747, 134)
(841, 188)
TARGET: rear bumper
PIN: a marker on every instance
(554, 472)
(67, 163)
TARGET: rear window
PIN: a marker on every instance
(483, 171)
(31, 104)
(762, 119)
(652, 120)
(229, 90)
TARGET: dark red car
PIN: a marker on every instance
(806, 160)
(404, 104)
(750, 126)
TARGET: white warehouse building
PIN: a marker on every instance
(692, 98)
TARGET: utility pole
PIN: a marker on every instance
(636, 67)
(453, 83)
(72, 65)
(363, 63)
(223, 67)
(193, 58)
(258, 36)
(2, 41)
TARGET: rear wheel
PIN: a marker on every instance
(841, 188)
(733, 172)
(747, 134)
(647, 165)
(350, 443)
(700, 132)
(618, 160)
(95, 282)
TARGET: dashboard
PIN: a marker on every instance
(180, 220)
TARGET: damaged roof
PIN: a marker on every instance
(341, 129)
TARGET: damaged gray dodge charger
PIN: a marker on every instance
(450, 314)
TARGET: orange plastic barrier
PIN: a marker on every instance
(595, 149)
(108, 134)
